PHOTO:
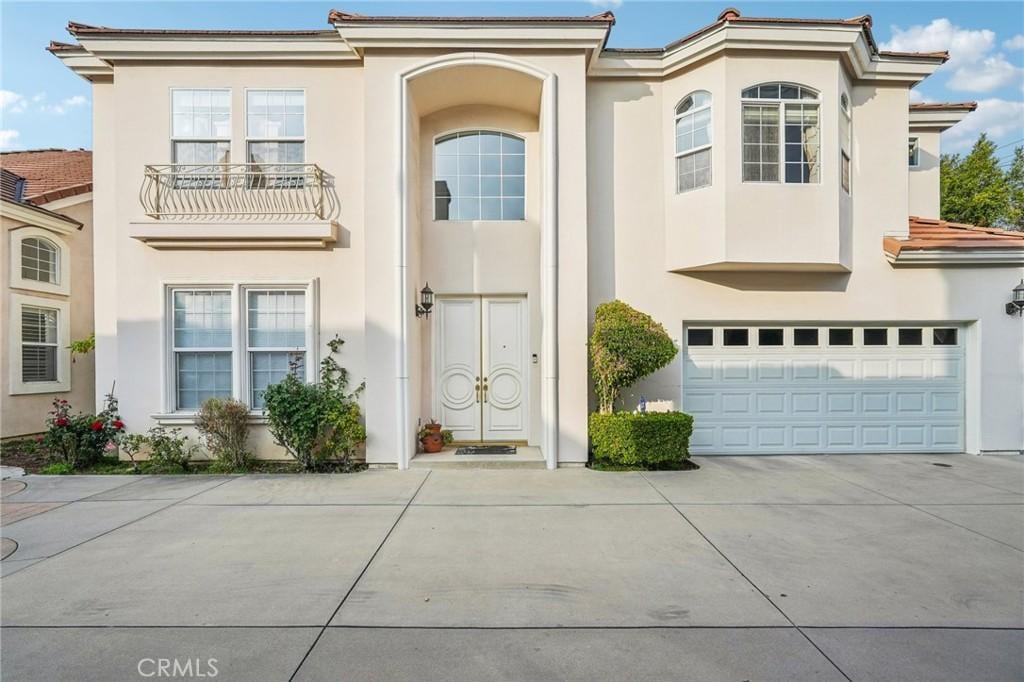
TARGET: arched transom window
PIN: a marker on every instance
(40, 260)
(781, 134)
(479, 175)
(693, 141)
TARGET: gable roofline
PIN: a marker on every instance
(944, 106)
(79, 30)
(938, 116)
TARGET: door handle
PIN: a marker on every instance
(485, 389)
(478, 389)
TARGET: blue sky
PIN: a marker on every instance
(42, 104)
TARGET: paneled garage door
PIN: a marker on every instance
(803, 389)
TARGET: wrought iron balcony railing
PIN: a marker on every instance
(238, 191)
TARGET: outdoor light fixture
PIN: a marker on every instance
(1016, 304)
(426, 301)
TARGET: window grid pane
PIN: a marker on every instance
(38, 344)
(760, 142)
(802, 143)
(914, 157)
(693, 170)
(269, 367)
(480, 175)
(276, 320)
(202, 319)
(201, 114)
(275, 114)
(39, 260)
(201, 376)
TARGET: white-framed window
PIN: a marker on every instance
(40, 358)
(275, 338)
(232, 340)
(781, 134)
(39, 261)
(693, 136)
(275, 134)
(201, 346)
(479, 175)
(200, 126)
(913, 152)
(845, 141)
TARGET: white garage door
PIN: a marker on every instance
(829, 389)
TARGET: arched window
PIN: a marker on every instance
(781, 134)
(693, 141)
(479, 175)
(845, 142)
(40, 260)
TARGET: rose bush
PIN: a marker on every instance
(79, 440)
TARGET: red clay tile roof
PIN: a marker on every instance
(932, 234)
(76, 29)
(943, 106)
(51, 174)
(335, 16)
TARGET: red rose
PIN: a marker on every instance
(118, 424)
(97, 425)
(61, 421)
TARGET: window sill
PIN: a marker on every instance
(35, 388)
(189, 418)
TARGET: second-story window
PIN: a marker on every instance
(693, 141)
(275, 126)
(781, 134)
(914, 153)
(845, 141)
(479, 175)
(200, 126)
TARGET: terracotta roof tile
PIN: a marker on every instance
(51, 174)
(932, 234)
(76, 29)
(943, 106)
(335, 16)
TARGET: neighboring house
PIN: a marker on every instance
(260, 192)
(46, 290)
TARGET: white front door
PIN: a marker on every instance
(480, 367)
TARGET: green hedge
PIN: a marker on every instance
(655, 440)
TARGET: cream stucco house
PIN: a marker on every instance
(259, 192)
(46, 295)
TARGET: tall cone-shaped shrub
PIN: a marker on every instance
(626, 346)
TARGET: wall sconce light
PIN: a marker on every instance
(1016, 304)
(426, 301)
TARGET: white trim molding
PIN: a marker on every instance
(1000, 257)
(63, 284)
(39, 217)
(63, 382)
(548, 256)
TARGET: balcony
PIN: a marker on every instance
(204, 205)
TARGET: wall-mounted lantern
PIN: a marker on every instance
(426, 301)
(1016, 304)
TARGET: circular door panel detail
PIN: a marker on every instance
(505, 389)
(458, 387)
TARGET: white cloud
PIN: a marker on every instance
(987, 75)
(964, 45)
(973, 65)
(1014, 43)
(998, 118)
(8, 138)
(606, 4)
(917, 97)
(12, 102)
(64, 105)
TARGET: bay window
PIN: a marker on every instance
(781, 134)
(693, 141)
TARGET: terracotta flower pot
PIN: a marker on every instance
(433, 442)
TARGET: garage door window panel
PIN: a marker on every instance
(736, 337)
(700, 337)
(944, 336)
(806, 336)
(840, 336)
(910, 337)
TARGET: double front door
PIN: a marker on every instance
(481, 377)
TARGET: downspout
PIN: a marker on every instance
(549, 274)
(402, 277)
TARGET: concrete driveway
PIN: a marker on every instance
(774, 568)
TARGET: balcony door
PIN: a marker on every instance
(481, 377)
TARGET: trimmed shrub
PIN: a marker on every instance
(169, 451)
(224, 426)
(626, 346)
(317, 423)
(655, 440)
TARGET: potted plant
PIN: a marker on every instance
(430, 436)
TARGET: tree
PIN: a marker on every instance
(974, 189)
(1015, 176)
(626, 346)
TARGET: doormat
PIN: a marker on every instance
(487, 450)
